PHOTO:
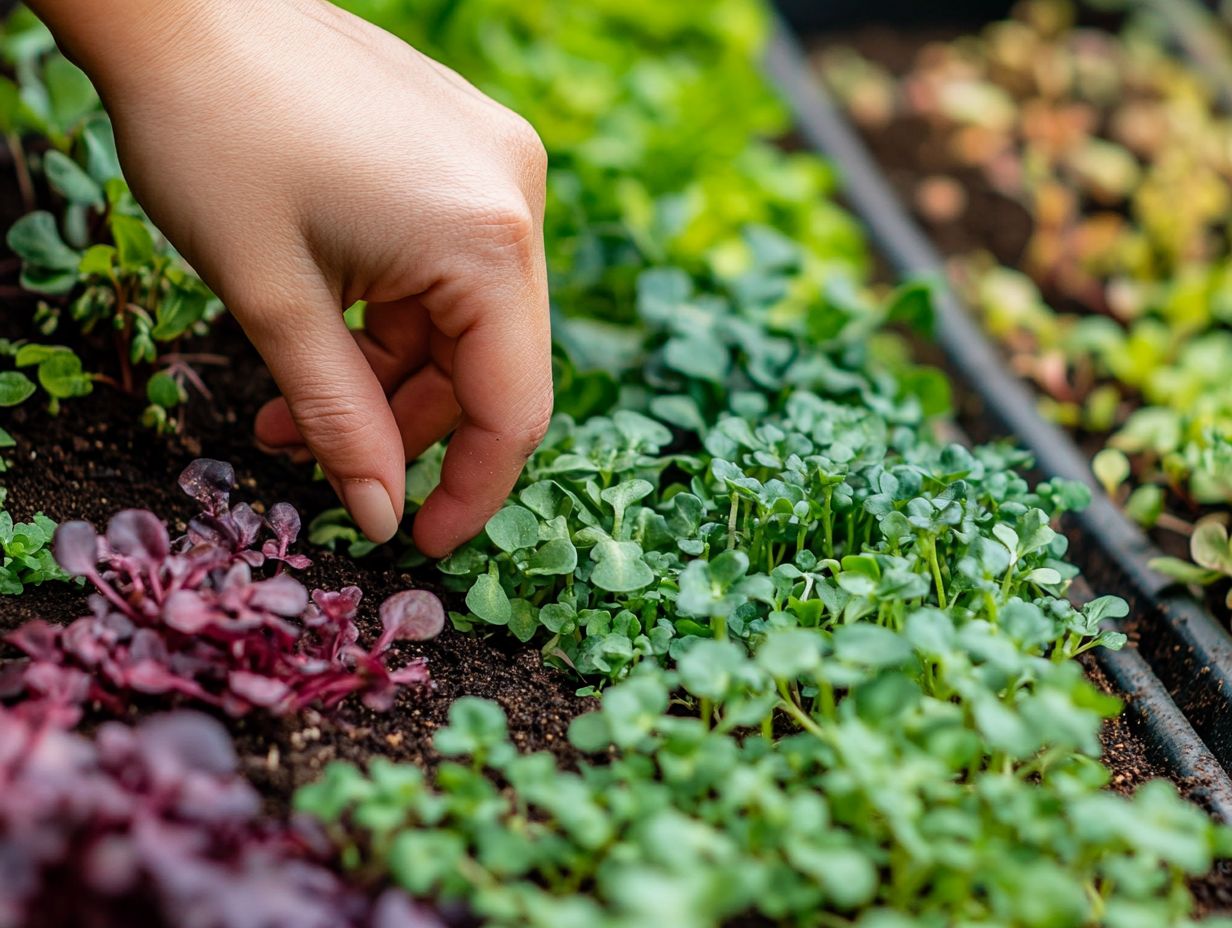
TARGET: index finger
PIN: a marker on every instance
(502, 376)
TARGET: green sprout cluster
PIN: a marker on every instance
(832, 653)
(1118, 308)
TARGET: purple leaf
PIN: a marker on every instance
(138, 533)
(413, 674)
(205, 618)
(412, 615)
(281, 595)
(339, 606)
(246, 525)
(76, 548)
(258, 690)
(283, 521)
(200, 742)
(36, 639)
(209, 482)
(186, 611)
(394, 909)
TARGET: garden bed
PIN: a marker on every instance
(1186, 647)
(95, 458)
(841, 670)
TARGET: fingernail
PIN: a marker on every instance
(370, 507)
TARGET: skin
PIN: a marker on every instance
(302, 159)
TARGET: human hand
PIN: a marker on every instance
(302, 159)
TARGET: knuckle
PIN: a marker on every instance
(328, 420)
(509, 226)
(535, 424)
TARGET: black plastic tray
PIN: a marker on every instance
(1180, 644)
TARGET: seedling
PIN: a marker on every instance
(207, 618)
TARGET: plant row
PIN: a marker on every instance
(1111, 154)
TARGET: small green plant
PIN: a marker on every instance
(1103, 151)
(1211, 553)
(94, 260)
(26, 549)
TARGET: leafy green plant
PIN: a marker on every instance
(1103, 150)
(26, 553)
(96, 261)
(1211, 553)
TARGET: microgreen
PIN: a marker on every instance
(26, 553)
(156, 820)
(1103, 152)
(205, 617)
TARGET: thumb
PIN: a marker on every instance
(338, 406)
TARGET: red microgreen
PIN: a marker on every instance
(211, 617)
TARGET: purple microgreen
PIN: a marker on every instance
(412, 615)
(156, 820)
(75, 547)
(210, 483)
(205, 619)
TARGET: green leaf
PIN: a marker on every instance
(871, 646)
(36, 239)
(102, 160)
(1209, 545)
(1184, 571)
(710, 668)
(70, 92)
(71, 181)
(98, 261)
(182, 308)
(15, 388)
(487, 599)
(523, 620)
(513, 528)
(557, 557)
(790, 653)
(912, 304)
(62, 377)
(133, 240)
(164, 390)
(475, 726)
(620, 567)
(1111, 469)
(420, 860)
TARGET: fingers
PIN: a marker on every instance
(395, 342)
(336, 404)
(425, 410)
(502, 380)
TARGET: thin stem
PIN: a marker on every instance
(930, 552)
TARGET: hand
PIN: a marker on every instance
(302, 159)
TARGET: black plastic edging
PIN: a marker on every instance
(1185, 647)
(1171, 740)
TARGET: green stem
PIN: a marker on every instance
(930, 552)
